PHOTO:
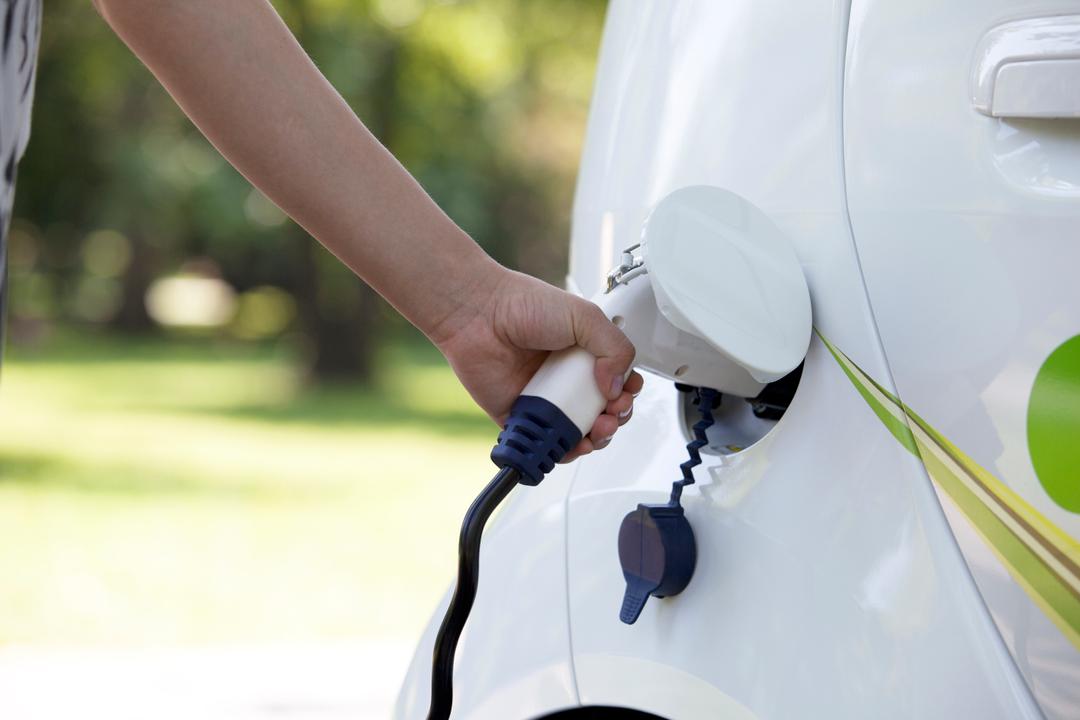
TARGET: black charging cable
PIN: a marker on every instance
(442, 669)
(537, 435)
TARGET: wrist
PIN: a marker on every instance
(471, 285)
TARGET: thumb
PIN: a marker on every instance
(613, 350)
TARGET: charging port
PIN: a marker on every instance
(740, 422)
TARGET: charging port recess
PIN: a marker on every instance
(739, 422)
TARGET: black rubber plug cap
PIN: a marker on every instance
(657, 552)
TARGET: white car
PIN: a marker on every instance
(904, 541)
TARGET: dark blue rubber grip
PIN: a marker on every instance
(536, 436)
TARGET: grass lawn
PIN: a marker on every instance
(165, 492)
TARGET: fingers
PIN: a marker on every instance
(603, 429)
(614, 352)
(620, 406)
(616, 414)
(582, 448)
(598, 438)
(634, 383)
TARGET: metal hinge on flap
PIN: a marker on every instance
(631, 264)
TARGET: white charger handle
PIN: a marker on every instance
(567, 381)
(567, 378)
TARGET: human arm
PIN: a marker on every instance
(239, 74)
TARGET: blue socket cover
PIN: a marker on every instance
(657, 552)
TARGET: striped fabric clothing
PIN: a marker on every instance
(18, 62)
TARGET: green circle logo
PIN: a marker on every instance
(1053, 425)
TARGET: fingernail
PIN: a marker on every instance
(616, 386)
(600, 445)
(626, 413)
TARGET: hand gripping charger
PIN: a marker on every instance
(712, 296)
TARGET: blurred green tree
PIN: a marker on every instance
(483, 100)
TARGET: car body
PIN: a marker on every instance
(903, 542)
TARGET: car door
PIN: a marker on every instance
(962, 164)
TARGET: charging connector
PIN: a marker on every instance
(536, 436)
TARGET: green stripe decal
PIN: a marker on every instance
(1042, 558)
(896, 426)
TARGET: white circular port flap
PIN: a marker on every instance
(722, 270)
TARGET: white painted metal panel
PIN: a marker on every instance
(967, 229)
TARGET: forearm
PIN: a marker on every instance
(242, 78)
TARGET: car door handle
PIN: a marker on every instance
(1029, 69)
